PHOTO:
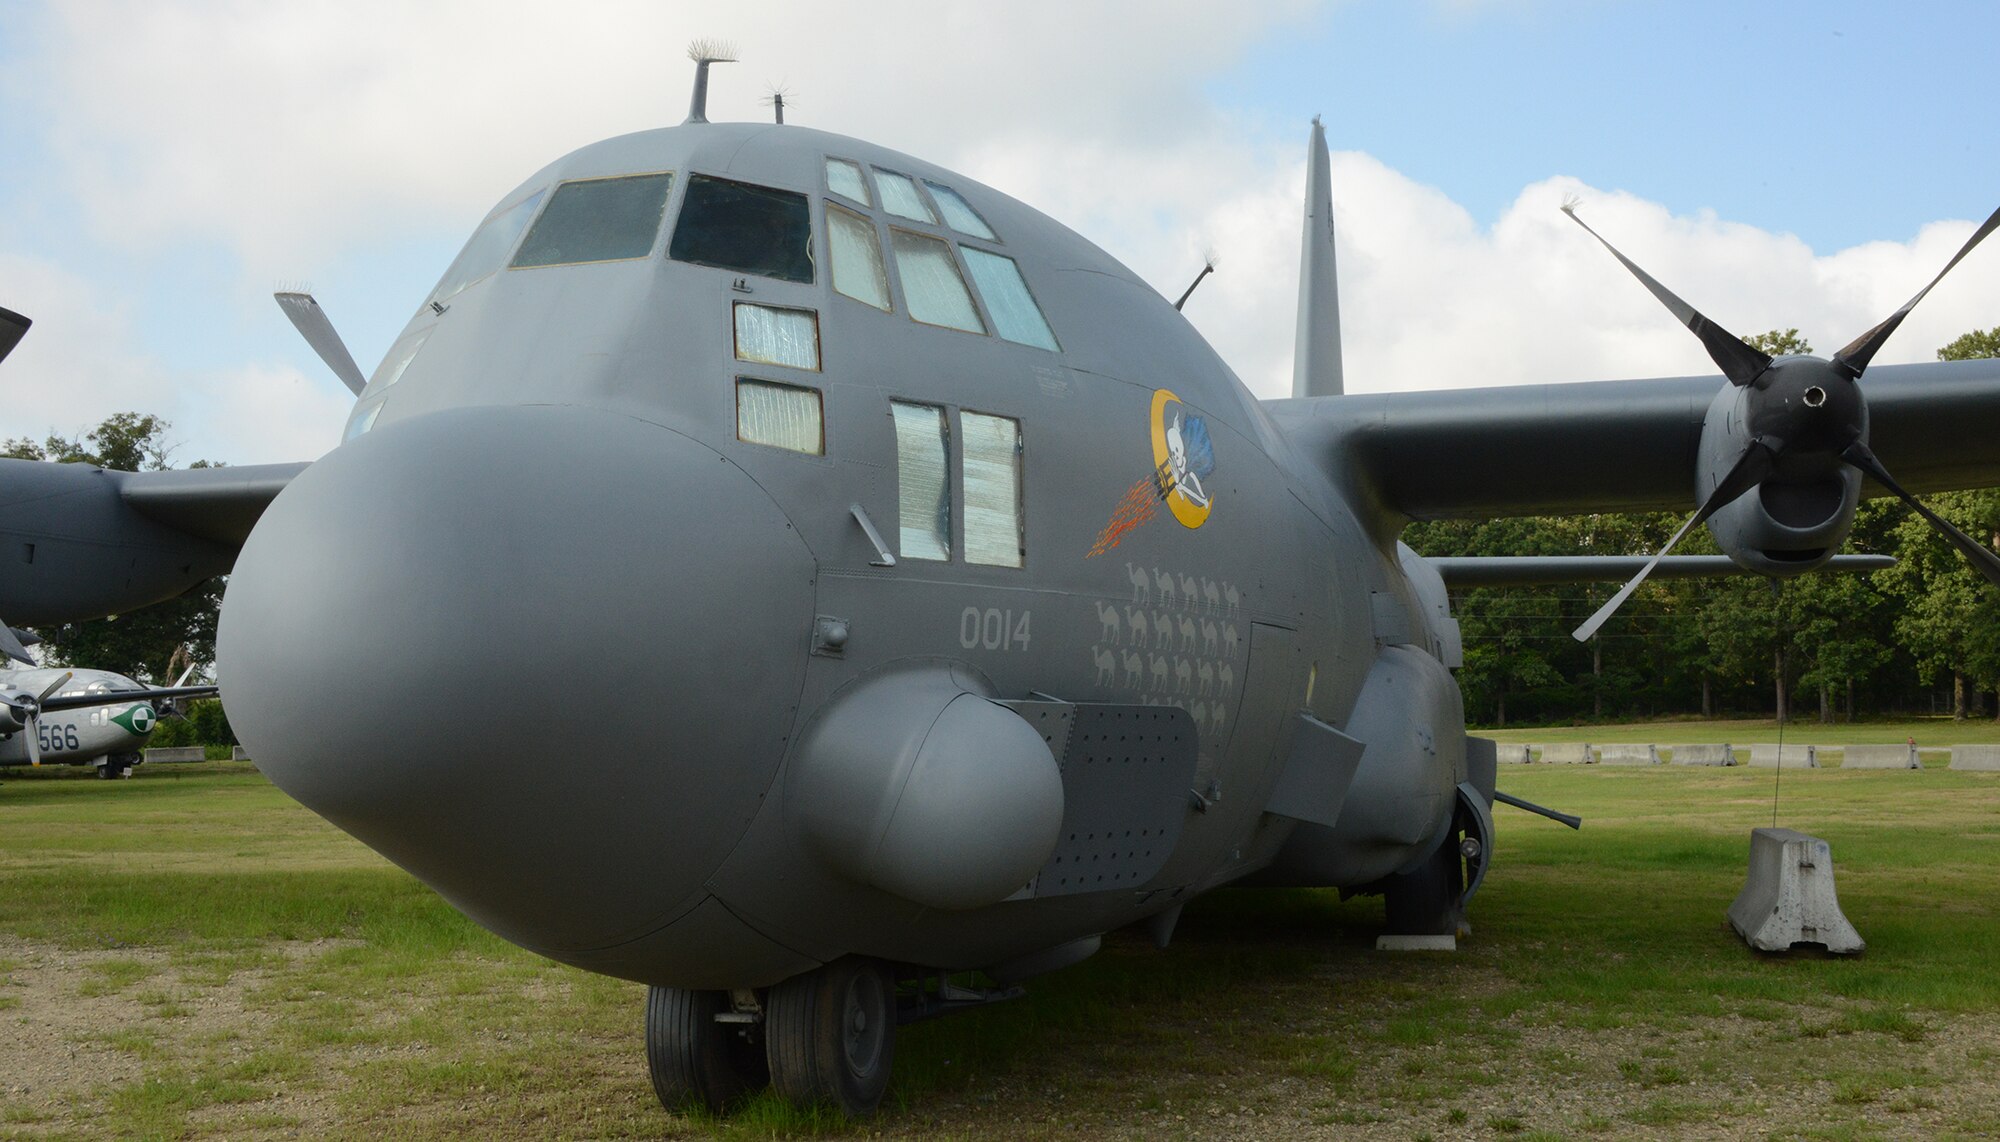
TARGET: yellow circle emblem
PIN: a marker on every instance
(1183, 457)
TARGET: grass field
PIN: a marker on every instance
(190, 954)
(1930, 733)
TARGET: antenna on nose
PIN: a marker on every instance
(703, 53)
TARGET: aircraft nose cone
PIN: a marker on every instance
(545, 658)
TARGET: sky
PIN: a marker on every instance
(165, 166)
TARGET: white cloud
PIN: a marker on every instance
(285, 130)
(82, 361)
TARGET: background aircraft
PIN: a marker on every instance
(64, 716)
(998, 613)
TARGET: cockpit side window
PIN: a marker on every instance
(843, 177)
(931, 283)
(901, 197)
(486, 251)
(857, 257)
(1015, 314)
(958, 213)
(751, 229)
(597, 220)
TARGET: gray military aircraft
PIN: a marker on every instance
(936, 599)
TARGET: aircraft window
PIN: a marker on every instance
(992, 489)
(1015, 314)
(958, 213)
(931, 283)
(901, 197)
(597, 220)
(487, 249)
(752, 229)
(361, 424)
(923, 485)
(398, 359)
(844, 178)
(773, 336)
(857, 257)
(782, 416)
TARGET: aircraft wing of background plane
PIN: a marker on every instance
(1611, 446)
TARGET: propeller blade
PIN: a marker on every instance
(1751, 467)
(1739, 362)
(13, 327)
(31, 725)
(1861, 350)
(1976, 553)
(313, 324)
(11, 647)
(53, 687)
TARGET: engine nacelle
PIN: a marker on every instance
(1797, 518)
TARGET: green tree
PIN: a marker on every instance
(1946, 609)
(141, 644)
(1973, 345)
(1777, 343)
(127, 441)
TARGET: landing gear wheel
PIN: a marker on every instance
(691, 1057)
(1426, 902)
(830, 1035)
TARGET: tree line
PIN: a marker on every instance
(1920, 637)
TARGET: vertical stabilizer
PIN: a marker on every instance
(1316, 354)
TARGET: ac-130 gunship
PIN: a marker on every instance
(929, 597)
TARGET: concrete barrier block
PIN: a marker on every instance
(177, 753)
(1628, 755)
(1567, 753)
(1765, 754)
(1703, 754)
(1511, 753)
(1975, 757)
(1788, 899)
(238, 753)
(1880, 757)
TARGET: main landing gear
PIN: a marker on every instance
(827, 1036)
(117, 765)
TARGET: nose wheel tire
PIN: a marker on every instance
(693, 1058)
(1429, 900)
(830, 1035)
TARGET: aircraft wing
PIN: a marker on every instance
(217, 504)
(1544, 570)
(1612, 446)
(92, 541)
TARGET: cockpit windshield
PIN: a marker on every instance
(489, 246)
(598, 220)
(751, 229)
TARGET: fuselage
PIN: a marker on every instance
(74, 737)
(641, 496)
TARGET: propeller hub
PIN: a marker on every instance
(1809, 405)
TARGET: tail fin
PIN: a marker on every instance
(1316, 352)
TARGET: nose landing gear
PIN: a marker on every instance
(827, 1036)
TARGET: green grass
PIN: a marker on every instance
(1929, 733)
(255, 972)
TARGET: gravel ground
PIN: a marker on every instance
(82, 1026)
